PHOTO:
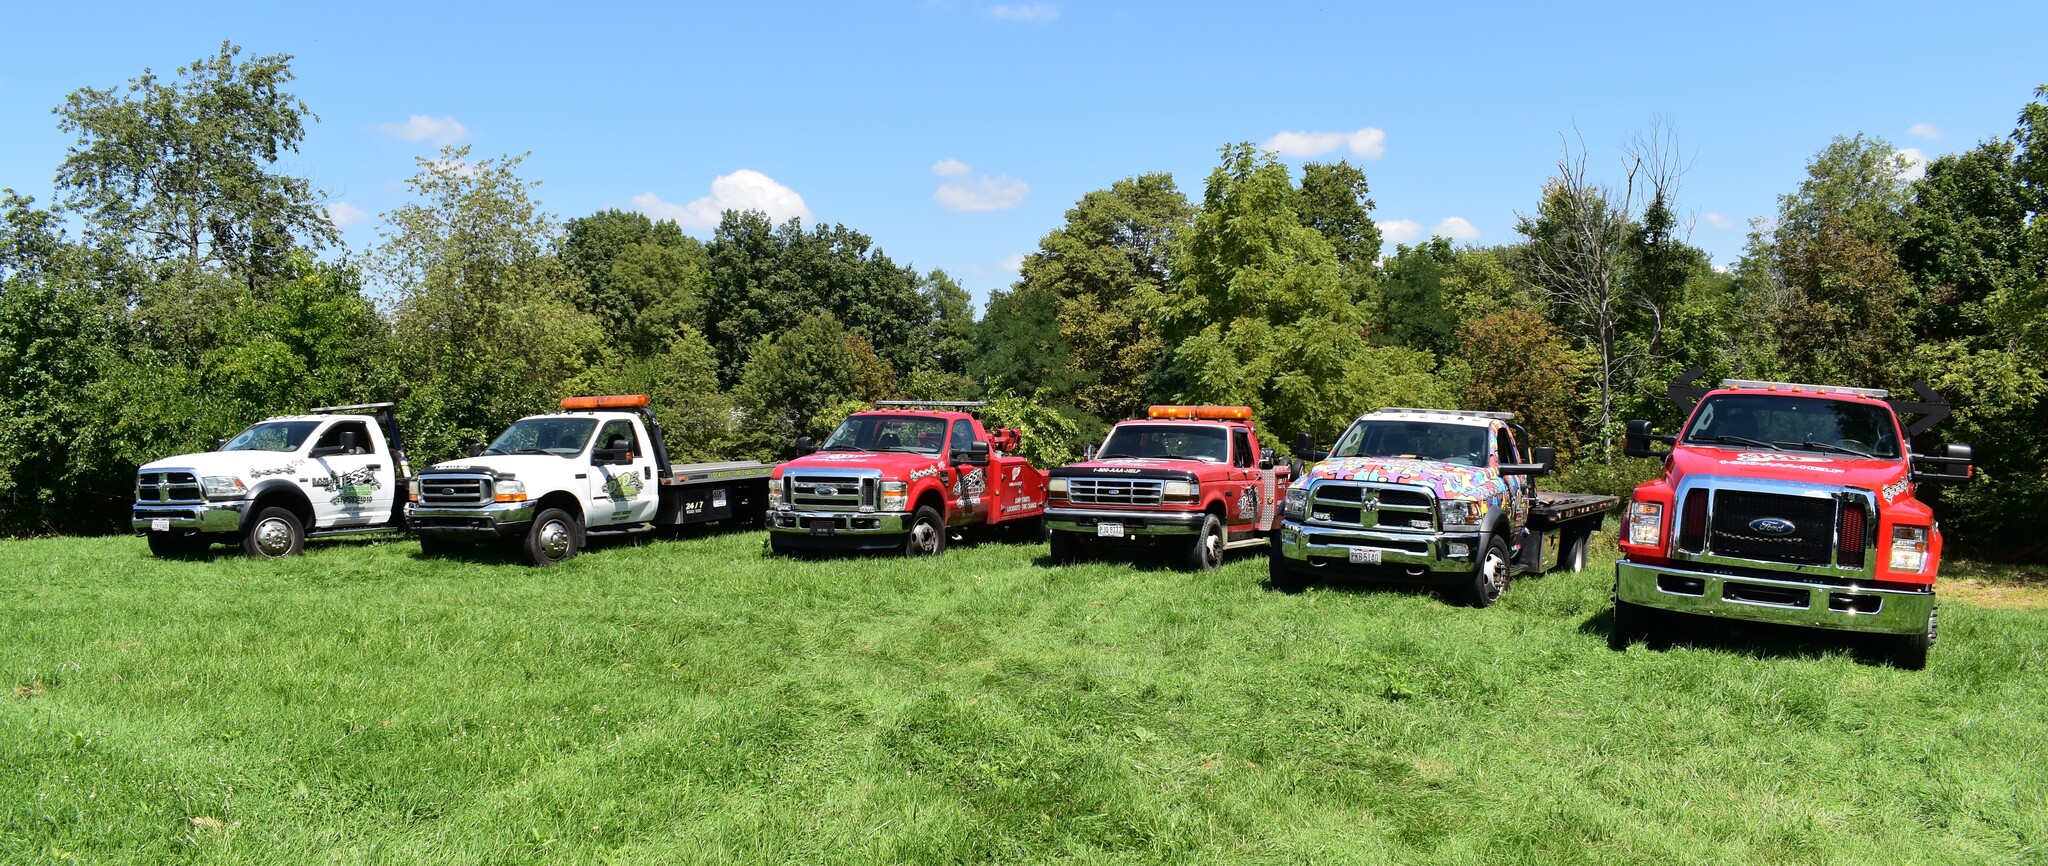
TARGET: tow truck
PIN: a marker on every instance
(903, 477)
(1788, 503)
(1190, 481)
(599, 467)
(1432, 496)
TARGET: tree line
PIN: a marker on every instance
(182, 284)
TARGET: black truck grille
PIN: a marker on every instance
(455, 491)
(174, 486)
(1734, 533)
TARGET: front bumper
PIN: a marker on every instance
(1786, 602)
(1135, 523)
(208, 517)
(1404, 556)
(840, 529)
(497, 520)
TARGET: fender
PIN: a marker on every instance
(277, 486)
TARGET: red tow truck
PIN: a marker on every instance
(903, 477)
(1191, 481)
(1792, 504)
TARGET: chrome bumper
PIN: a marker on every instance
(1084, 521)
(203, 517)
(497, 520)
(1323, 547)
(840, 522)
(1786, 602)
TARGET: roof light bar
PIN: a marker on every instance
(330, 410)
(1798, 388)
(1202, 413)
(1460, 413)
(943, 404)
(608, 401)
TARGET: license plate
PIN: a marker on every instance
(1109, 530)
(160, 524)
(1365, 556)
(821, 528)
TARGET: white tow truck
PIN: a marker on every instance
(598, 467)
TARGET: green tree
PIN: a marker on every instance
(644, 279)
(1334, 200)
(794, 381)
(1415, 308)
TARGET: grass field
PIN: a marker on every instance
(692, 701)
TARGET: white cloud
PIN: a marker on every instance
(419, 127)
(1455, 228)
(1400, 231)
(1916, 163)
(1012, 264)
(1923, 130)
(344, 215)
(1035, 13)
(1369, 142)
(1718, 220)
(743, 190)
(976, 192)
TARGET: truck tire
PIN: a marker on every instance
(552, 538)
(1281, 573)
(1572, 559)
(1205, 550)
(1631, 625)
(1909, 652)
(1489, 575)
(273, 533)
(1066, 548)
(167, 545)
(927, 535)
(439, 547)
(778, 547)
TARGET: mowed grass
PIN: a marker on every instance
(693, 701)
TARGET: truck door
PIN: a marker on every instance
(351, 478)
(1505, 451)
(970, 483)
(622, 494)
(1244, 479)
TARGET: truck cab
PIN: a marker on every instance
(1190, 481)
(1431, 496)
(1787, 503)
(600, 466)
(335, 470)
(902, 477)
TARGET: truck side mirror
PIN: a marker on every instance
(1636, 442)
(1954, 465)
(1545, 463)
(1088, 451)
(806, 446)
(348, 442)
(219, 444)
(1266, 458)
(476, 449)
(614, 453)
(1305, 447)
(975, 454)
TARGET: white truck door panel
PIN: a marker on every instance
(350, 488)
(628, 493)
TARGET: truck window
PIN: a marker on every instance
(963, 435)
(1505, 445)
(332, 438)
(272, 436)
(1240, 449)
(1463, 444)
(560, 436)
(621, 430)
(1166, 442)
(1776, 422)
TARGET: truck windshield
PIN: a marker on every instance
(564, 437)
(1463, 444)
(1786, 423)
(1205, 442)
(272, 436)
(888, 433)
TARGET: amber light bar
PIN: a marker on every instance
(1799, 388)
(1202, 413)
(608, 401)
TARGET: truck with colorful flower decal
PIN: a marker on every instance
(1430, 496)
(1792, 504)
(1190, 481)
(904, 477)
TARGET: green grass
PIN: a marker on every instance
(692, 701)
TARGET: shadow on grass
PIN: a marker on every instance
(1754, 639)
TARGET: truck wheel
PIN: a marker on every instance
(778, 547)
(1280, 573)
(1631, 625)
(551, 538)
(165, 545)
(927, 535)
(1572, 559)
(1066, 548)
(1490, 576)
(438, 547)
(275, 532)
(1910, 651)
(1205, 550)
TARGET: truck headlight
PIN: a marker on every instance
(223, 487)
(508, 490)
(1457, 512)
(1646, 523)
(1056, 488)
(1181, 491)
(1296, 504)
(779, 491)
(895, 496)
(1909, 548)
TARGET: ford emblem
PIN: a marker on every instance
(447, 491)
(822, 490)
(1773, 526)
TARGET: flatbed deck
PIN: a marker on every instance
(1552, 508)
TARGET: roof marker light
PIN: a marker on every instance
(1202, 413)
(608, 401)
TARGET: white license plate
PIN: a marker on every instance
(1109, 530)
(1365, 556)
(160, 524)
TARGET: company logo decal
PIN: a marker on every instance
(1891, 491)
(286, 469)
(1110, 471)
(1803, 462)
(351, 488)
(926, 472)
(1773, 526)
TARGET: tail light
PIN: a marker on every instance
(1849, 544)
(1692, 536)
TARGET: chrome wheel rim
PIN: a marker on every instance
(1496, 575)
(554, 539)
(1212, 547)
(273, 537)
(924, 536)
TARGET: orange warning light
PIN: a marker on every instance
(1202, 413)
(609, 401)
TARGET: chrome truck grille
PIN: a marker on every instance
(455, 491)
(1114, 491)
(1785, 526)
(168, 487)
(1361, 505)
(833, 490)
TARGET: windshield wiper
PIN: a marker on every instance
(1189, 457)
(495, 450)
(1735, 440)
(898, 448)
(1826, 446)
(841, 447)
(534, 451)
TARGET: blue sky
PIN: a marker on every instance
(957, 133)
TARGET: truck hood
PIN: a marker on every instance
(1806, 467)
(250, 466)
(1136, 467)
(515, 465)
(895, 465)
(1444, 480)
